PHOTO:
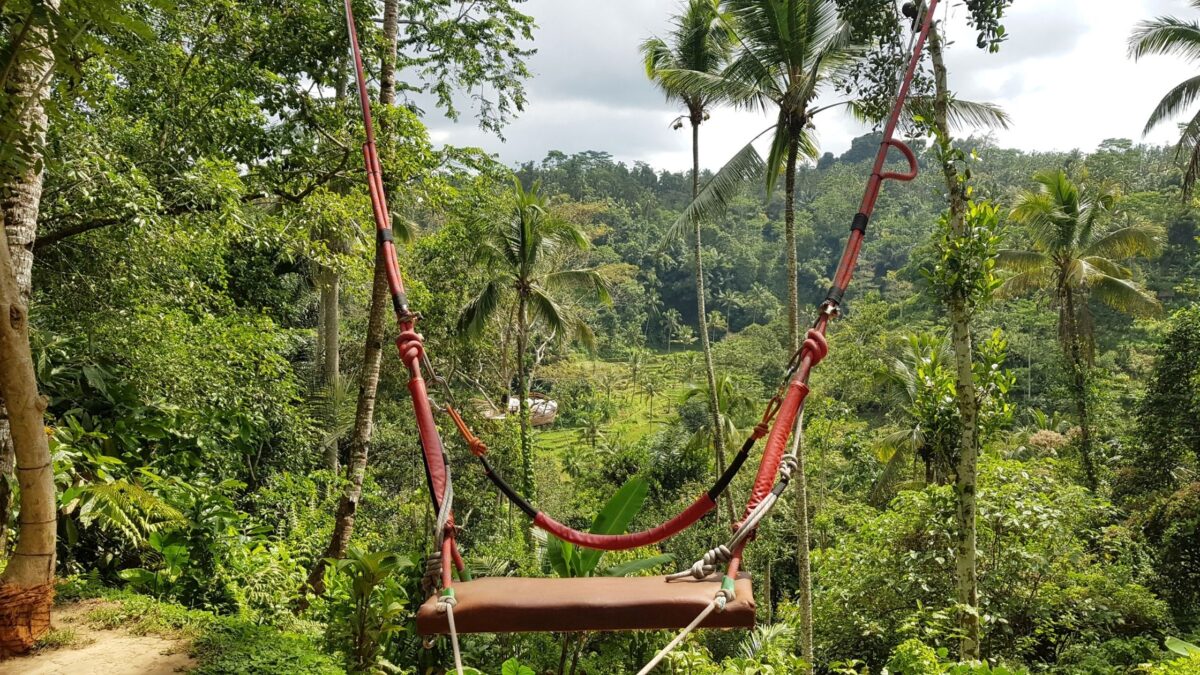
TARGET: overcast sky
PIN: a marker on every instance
(1063, 77)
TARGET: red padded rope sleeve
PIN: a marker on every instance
(622, 542)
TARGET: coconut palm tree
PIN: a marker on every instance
(698, 42)
(786, 51)
(730, 401)
(920, 380)
(1074, 258)
(526, 281)
(1169, 35)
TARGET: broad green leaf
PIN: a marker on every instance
(626, 568)
(1181, 647)
(614, 518)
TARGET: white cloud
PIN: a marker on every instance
(1064, 77)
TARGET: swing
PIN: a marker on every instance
(699, 597)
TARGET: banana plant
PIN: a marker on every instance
(568, 560)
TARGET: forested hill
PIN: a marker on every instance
(631, 209)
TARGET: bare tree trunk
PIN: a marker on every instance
(789, 229)
(26, 587)
(714, 406)
(803, 557)
(364, 415)
(1079, 386)
(968, 409)
(26, 91)
(330, 331)
(523, 393)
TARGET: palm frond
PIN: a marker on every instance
(1021, 261)
(960, 114)
(743, 169)
(590, 279)
(1165, 36)
(1178, 100)
(1123, 295)
(545, 309)
(1127, 242)
(1025, 282)
(474, 317)
(711, 87)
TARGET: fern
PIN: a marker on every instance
(123, 508)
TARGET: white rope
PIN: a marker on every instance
(449, 603)
(718, 600)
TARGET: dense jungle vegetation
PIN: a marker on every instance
(999, 455)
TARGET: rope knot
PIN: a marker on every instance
(447, 602)
(706, 565)
(432, 579)
(477, 447)
(816, 345)
(412, 347)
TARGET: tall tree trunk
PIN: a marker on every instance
(964, 386)
(800, 480)
(714, 406)
(26, 91)
(330, 331)
(26, 585)
(1079, 384)
(364, 415)
(523, 402)
(803, 536)
(789, 230)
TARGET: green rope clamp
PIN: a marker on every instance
(464, 574)
(448, 592)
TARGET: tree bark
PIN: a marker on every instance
(26, 585)
(803, 557)
(330, 347)
(964, 386)
(364, 415)
(26, 91)
(1079, 385)
(714, 405)
(789, 229)
(523, 393)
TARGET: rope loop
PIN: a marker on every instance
(816, 345)
(764, 426)
(706, 565)
(432, 579)
(412, 347)
(474, 444)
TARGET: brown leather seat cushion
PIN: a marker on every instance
(515, 605)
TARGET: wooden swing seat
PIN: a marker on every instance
(520, 605)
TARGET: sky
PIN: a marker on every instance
(1064, 78)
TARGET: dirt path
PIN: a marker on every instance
(103, 652)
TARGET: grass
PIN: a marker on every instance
(634, 419)
(220, 644)
(59, 638)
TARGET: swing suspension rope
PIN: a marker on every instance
(775, 467)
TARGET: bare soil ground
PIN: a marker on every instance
(103, 652)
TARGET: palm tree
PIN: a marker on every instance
(921, 380)
(525, 281)
(730, 401)
(1168, 35)
(700, 43)
(1073, 260)
(786, 51)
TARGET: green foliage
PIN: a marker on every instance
(235, 648)
(369, 607)
(966, 262)
(568, 560)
